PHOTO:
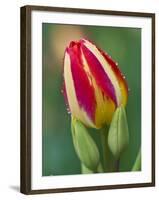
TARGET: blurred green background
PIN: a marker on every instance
(124, 45)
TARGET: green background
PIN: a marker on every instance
(124, 45)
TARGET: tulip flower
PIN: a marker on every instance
(93, 84)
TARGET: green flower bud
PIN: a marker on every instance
(85, 170)
(118, 135)
(85, 146)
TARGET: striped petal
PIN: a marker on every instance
(80, 93)
(120, 77)
(99, 74)
(104, 105)
(107, 68)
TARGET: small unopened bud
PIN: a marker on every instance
(84, 145)
(118, 135)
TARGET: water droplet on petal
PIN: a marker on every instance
(68, 110)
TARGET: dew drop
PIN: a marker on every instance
(68, 110)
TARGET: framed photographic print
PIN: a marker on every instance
(87, 99)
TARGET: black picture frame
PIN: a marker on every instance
(25, 182)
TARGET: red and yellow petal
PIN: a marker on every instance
(97, 71)
(80, 93)
(105, 106)
(120, 77)
(111, 69)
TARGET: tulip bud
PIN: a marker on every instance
(118, 135)
(85, 170)
(93, 84)
(85, 146)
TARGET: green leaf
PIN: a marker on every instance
(137, 164)
(85, 146)
(118, 135)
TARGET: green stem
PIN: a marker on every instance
(117, 165)
(100, 168)
(108, 162)
(103, 142)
